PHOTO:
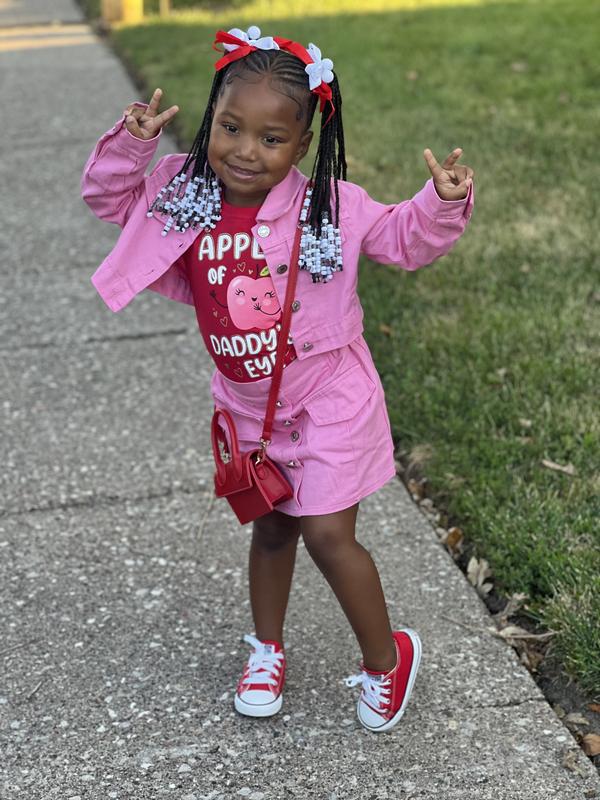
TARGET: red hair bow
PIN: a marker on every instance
(324, 89)
(241, 45)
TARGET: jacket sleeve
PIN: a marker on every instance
(415, 232)
(113, 177)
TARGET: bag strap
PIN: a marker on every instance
(265, 438)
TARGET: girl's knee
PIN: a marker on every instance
(327, 536)
(275, 530)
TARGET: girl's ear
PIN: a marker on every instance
(303, 146)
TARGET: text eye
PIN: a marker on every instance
(240, 291)
(269, 294)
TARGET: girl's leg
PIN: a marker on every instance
(271, 566)
(351, 573)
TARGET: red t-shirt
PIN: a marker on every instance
(236, 304)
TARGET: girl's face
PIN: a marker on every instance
(255, 139)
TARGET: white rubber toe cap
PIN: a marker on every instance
(258, 703)
(257, 697)
(368, 717)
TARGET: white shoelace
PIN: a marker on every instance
(262, 665)
(374, 689)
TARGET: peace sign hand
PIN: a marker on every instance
(452, 181)
(144, 123)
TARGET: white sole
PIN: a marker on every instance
(417, 650)
(265, 710)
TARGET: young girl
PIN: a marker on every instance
(215, 228)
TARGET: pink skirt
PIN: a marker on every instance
(331, 433)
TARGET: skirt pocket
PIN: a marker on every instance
(341, 398)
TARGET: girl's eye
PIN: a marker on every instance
(240, 291)
(229, 127)
(272, 140)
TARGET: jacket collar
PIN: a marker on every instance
(283, 196)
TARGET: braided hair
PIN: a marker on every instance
(288, 74)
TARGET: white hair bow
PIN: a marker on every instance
(253, 38)
(320, 70)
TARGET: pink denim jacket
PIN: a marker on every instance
(410, 234)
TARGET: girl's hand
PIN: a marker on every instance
(146, 122)
(452, 180)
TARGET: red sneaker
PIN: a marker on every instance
(384, 696)
(259, 691)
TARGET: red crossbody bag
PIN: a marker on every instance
(252, 483)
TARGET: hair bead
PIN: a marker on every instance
(196, 205)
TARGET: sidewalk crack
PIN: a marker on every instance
(94, 340)
(509, 703)
(134, 336)
(98, 501)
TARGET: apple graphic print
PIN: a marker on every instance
(237, 306)
(252, 302)
(253, 306)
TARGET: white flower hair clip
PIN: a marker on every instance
(320, 70)
(250, 38)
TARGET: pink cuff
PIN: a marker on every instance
(437, 208)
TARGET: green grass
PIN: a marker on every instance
(506, 327)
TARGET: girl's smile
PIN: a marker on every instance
(257, 134)
(242, 174)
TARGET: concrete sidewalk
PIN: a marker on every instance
(123, 589)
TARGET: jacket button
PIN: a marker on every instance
(278, 403)
(287, 422)
(282, 268)
(294, 436)
(296, 305)
(263, 231)
(307, 346)
(291, 464)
